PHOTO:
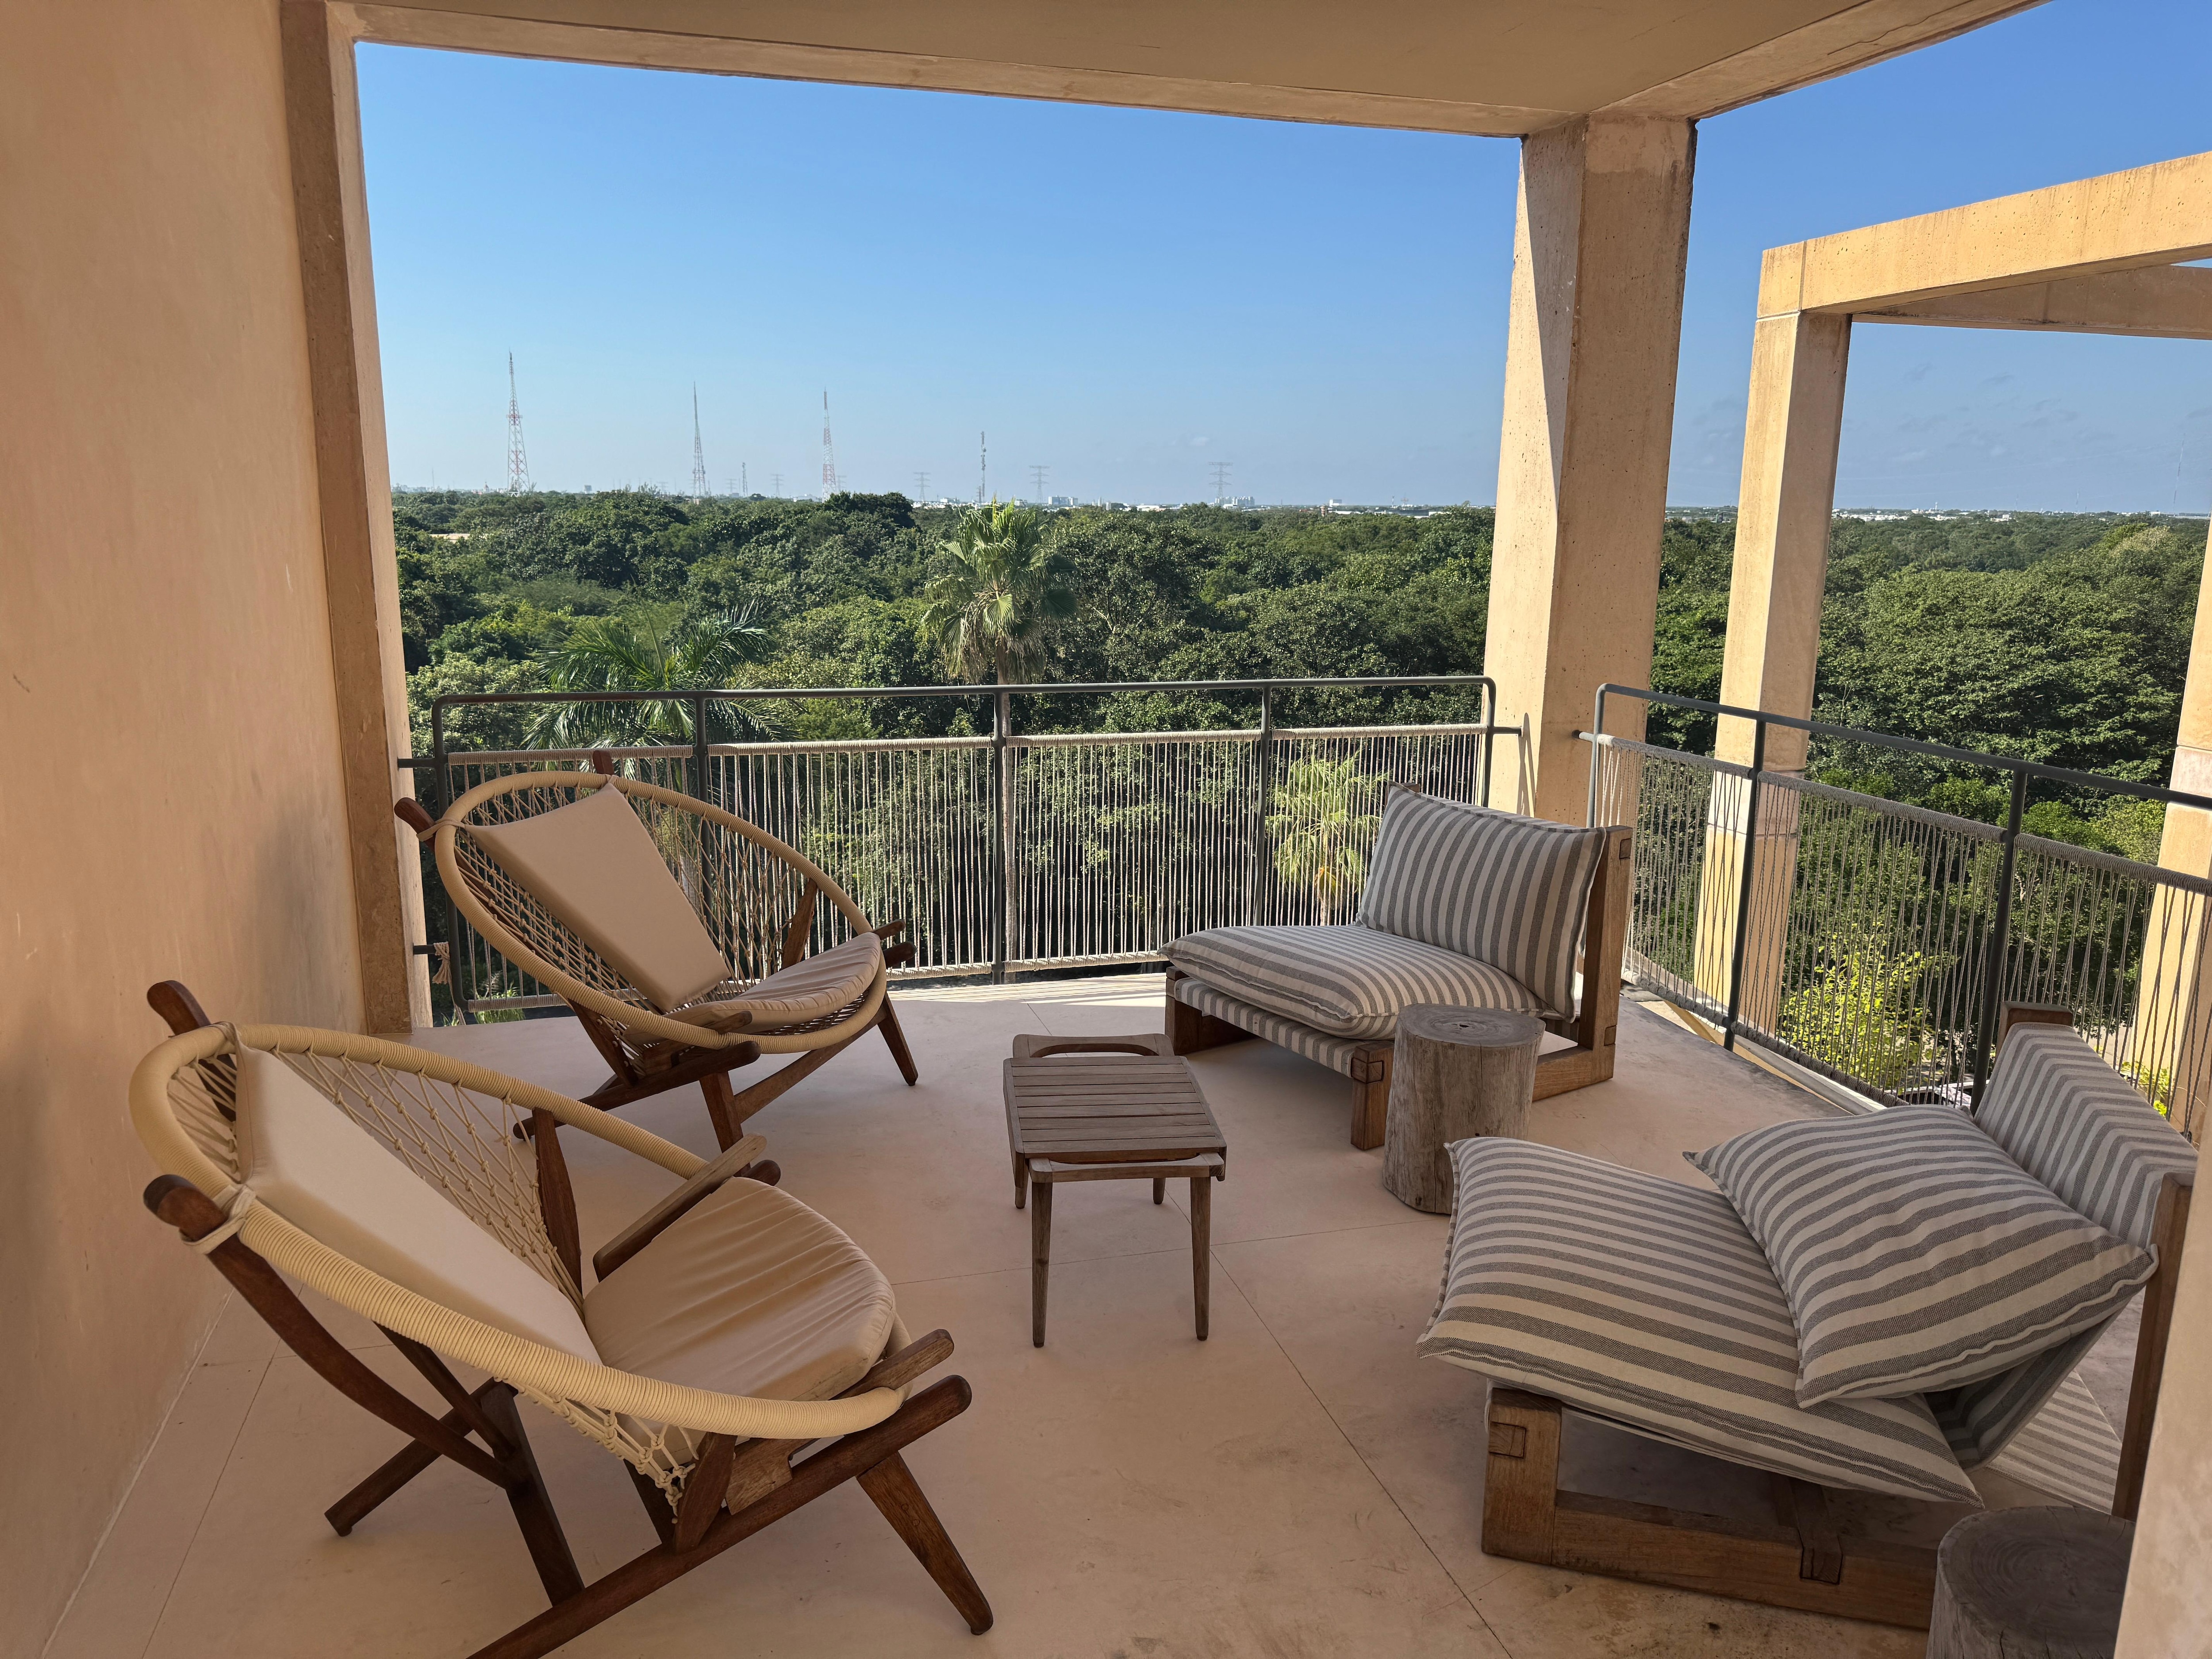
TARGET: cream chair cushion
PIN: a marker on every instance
(751, 1292)
(593, 865)
(817, 985)
(305, 1158)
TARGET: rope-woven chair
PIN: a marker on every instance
(268, 1135)
(752, 905)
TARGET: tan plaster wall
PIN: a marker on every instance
(2168, 1611)
(170, 805)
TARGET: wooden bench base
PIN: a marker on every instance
(1811, 1556)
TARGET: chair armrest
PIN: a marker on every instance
(649, 1225)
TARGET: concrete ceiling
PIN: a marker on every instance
(1502, 67)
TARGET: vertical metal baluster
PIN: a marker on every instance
(1743, 882)
(1999, 940)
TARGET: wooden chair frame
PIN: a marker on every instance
(648, 1054)
(1802, 1558)
(1593, 1031)
(737, 1488)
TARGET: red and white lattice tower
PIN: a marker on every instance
(518, 458)
(829, 454)
(699, 487)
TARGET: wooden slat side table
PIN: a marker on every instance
(1109, 1108)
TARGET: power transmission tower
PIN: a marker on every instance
(699, 487)
(982, 465)
(518, 458)
(922, 486)
(776, 485)
(1037, 478)
(1220, 482)
(829, 454)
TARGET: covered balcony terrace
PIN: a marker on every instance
(1299, 1483)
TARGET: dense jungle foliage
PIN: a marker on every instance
(2059, 637)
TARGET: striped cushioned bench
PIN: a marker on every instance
(1649, 1303)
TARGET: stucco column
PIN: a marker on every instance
(1600, 238)
(2175, 1005)
(1793, 425)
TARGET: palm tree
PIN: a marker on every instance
(655, 648)
(997, 592)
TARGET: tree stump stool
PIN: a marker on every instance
(1456, 1073)
(2031, 1583)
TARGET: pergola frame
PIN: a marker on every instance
(2097, 256)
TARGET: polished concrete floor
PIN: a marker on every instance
(1299, 1485)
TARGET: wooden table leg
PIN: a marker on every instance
(1040, 1257)
(1021, 1180)
(1201, 1248)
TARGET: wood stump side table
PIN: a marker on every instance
(1109, 1108)
(2030, 1584)
(1456, 1073)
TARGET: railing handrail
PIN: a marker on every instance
(2012, 764)
(1048, 688)
(2010, 838)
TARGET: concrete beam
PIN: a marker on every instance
(1595, 330)
(1851, 39)
(2164, 302)
(2159, 215)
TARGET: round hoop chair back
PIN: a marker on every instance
(744, 885)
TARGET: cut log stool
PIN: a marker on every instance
(2030, 1584)
(1457, 1072)
(1109, 1108)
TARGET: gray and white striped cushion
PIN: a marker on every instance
(1916, 1256)
(1508, 891)
(1333, 1052)
(2067, 1450)
(1349, 981)
(2075, 1124)
(1647, 1303)
(2078, 1126)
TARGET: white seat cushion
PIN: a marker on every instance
(750, 1292)
(1349, 981)
(815, 986)
(313, 1164)
(592, 863)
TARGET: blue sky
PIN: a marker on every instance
(1127, 296)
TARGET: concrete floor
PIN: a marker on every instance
(1297, 1487)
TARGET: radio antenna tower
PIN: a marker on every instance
(829, 454)
(1037, 478)
(518, 458)
(1220, 481)
(982, 465)
(699, 486)
(743, 487)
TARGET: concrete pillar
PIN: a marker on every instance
(1793, 425)
(1600, 238)
(2175, 1005)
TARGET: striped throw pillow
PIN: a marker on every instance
(1500, 888)
(1916, 1255)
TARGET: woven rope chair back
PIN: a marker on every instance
(743, 883)
(460, 1141)
(452, 1123)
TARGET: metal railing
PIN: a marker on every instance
(1873, 942)
(1010, 851)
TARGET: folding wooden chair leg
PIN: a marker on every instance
(531, 1504)
(891, 1486)
(394, 1472)
(894, 1039)
(844, 1459)
(721, 1108)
